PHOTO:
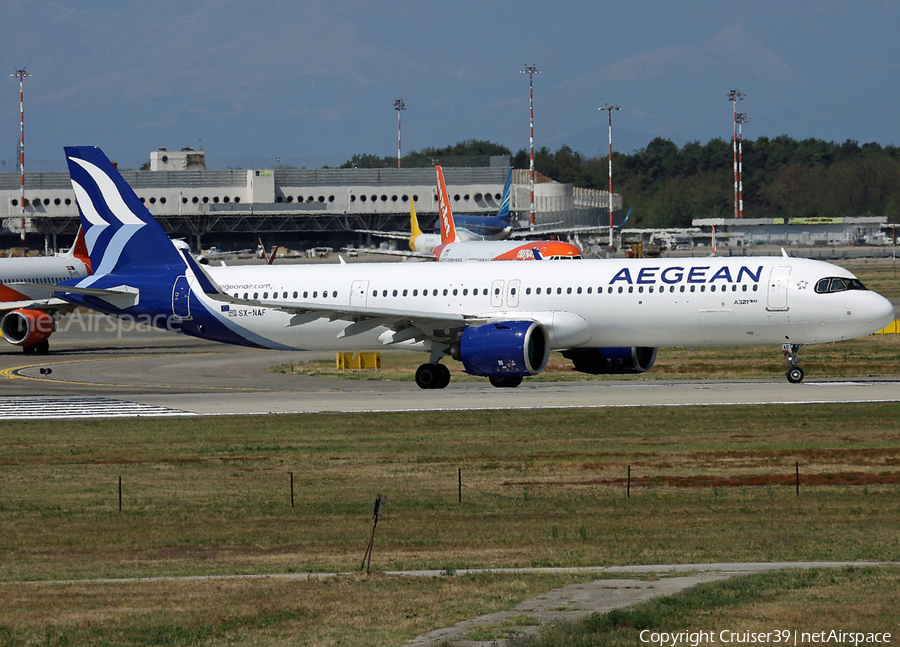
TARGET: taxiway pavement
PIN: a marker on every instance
(107, 371)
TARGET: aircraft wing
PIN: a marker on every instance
(404, 325)
(393, 235)
(528, 233)
(394, 252)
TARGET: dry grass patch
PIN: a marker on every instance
(863, 600)
(355, 610)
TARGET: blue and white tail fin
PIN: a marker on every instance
(503, 212)
(121, 234)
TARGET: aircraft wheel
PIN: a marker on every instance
(443, 377)
(428, 376)
(42, 348)
(28, 350)
(795, 375)
(505, 381)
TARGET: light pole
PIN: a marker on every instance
(531, 70)
(741, 118)
(399, 105)
(734, 96)
(610, 109)
(21, 74)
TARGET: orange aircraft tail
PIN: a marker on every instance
(448, 228)
(80, 251)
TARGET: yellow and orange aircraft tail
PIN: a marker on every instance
(414, 230)
(448, 228)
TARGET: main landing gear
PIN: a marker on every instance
(432, 376)
(505, 381)
(791, 355)
(40, 348)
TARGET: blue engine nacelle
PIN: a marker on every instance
(612, 361)
(505, 348)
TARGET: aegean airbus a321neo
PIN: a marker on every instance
(499, 319)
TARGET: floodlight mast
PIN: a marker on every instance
(399, 105)
(741, 118)
(734, 96)
(531, 70)
(609, 108)
(21, 74)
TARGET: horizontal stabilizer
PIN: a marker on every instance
(120, 296)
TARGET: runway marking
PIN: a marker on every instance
(47, 407)
(15, 372)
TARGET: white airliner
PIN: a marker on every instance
(28, 313)
(499, 319)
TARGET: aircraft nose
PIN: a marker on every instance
(881, 312)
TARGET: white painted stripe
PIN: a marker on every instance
(50, 408)
(87, 207)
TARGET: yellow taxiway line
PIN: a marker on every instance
(14, 372)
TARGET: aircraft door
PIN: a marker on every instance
(359, 291)
(497, 293)
(512, 293)
(779, 280)
(181, 298)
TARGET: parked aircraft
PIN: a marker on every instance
(453, 249)
(497, 227)
(29, 312)
(469, 228)
(448, 245)
(499, 319)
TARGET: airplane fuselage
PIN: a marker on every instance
(48, 269)
(589, 303)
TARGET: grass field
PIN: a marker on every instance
(212, 496)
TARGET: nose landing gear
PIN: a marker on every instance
(791, 355)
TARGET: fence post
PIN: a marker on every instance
(628, 490)
(292, 489)
(379, 506)
(459, 485)
(797, 476)
(120, 494)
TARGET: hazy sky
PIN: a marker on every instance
(312, 83)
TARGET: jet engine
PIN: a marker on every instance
(26, 328)
(504, 348)
(612, 361)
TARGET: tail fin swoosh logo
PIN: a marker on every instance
(109, 202)
(119, 231)
(114, 203)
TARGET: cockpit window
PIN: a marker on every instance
(838, 284)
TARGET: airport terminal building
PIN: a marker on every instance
(299, 207)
